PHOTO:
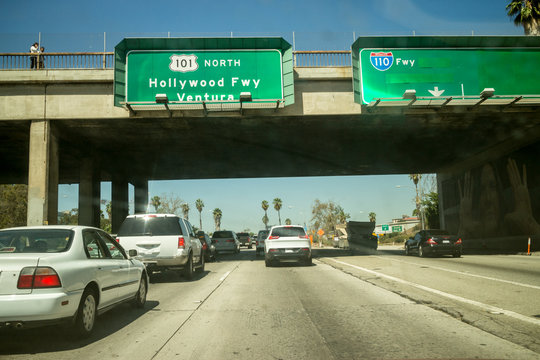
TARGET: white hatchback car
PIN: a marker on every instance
(287, 242)
(52, 274)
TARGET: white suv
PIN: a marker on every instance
(164, 242)
(287, 242)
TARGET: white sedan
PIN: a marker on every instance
(52, 274)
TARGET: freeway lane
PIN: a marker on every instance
(239, 309)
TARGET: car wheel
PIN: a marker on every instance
(188, 269)
(420, 251)
(86, 314)
(457, 254)
(407, 251)
(268, 263)
(201, 265)
(140, 297)
(308, 262)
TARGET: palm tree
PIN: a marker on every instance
(416, 178)
(288, 221)
(526, 13)
(265, 221)
(155, 202)
(199, 204)
(277, 205)
(217, 218)
(185, 210)
(372, 217)
(265, 207)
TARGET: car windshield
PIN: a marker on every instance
(153, 226)
(288, 231)
(35, 241)
(222, 234)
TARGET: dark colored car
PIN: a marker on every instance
(434, 242)
(245, 239)
(208, 248)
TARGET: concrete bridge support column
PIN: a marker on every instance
(89, 194)
(42, 175)
(141, 196)
(120, 206)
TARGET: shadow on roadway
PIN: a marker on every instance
(61, 338)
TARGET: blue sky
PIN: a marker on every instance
(317, 25)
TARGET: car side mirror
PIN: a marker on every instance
(133, 253)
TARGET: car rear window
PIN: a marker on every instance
(288, 231)
(35, 240)
(222, 234)
(438, 232)
(150, 226)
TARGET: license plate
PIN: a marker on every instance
(446, 241)
(288, 251)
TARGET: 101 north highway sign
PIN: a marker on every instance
(445, 72)
(204, 76)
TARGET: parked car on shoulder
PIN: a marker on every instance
(285, 243)
(164, 242)
(245, 239)
(434, 242)
(225, 241)
(55, 274)
(259, 243)
(209, 249)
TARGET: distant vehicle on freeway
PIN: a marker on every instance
(54, 274)
(285, 243)
(434, 242)
(164, 242)
(209, 249)
(245, 239)
(259, 241)
(225, 240)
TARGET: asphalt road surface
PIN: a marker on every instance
(346, 306)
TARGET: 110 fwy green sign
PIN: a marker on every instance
(204, 76)
(445, 72)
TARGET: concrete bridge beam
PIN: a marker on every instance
(89, 193)
(120, 206)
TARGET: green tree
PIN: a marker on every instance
(217, 218)
(13, 205)
(277, 206)
(155, 202)
(326, 215)
(69, 217)
(372, 217)
(265, 207)
(185, 210)
(526, 13)
(288, 221)
(416, 178)
(430, 204)
(199, 204)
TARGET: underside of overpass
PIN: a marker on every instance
(163, 148)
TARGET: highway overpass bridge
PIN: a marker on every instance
(60, 126)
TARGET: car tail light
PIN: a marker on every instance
(205, 246)
(181, 242)
(273, 237)
(256, 243)
(230, 240)
(458, 242)
(38, 277)
(304, 249)
(430, 241)
(117, 239)
(303, 236)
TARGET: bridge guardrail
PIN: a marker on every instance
(105, 60)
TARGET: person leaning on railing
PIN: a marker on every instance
(34, 51)
(41, 58)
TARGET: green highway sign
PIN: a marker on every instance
(447, 72)
(384, 227)
(187, 76)
(397, 228)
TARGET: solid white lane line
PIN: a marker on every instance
(224, 276)
(469, 274)
(489, 308)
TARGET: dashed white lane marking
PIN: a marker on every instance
(224, 276)
(489, 308)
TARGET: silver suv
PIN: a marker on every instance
(164, 242)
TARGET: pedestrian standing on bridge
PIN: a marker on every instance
(34, 50)
(41, 58)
